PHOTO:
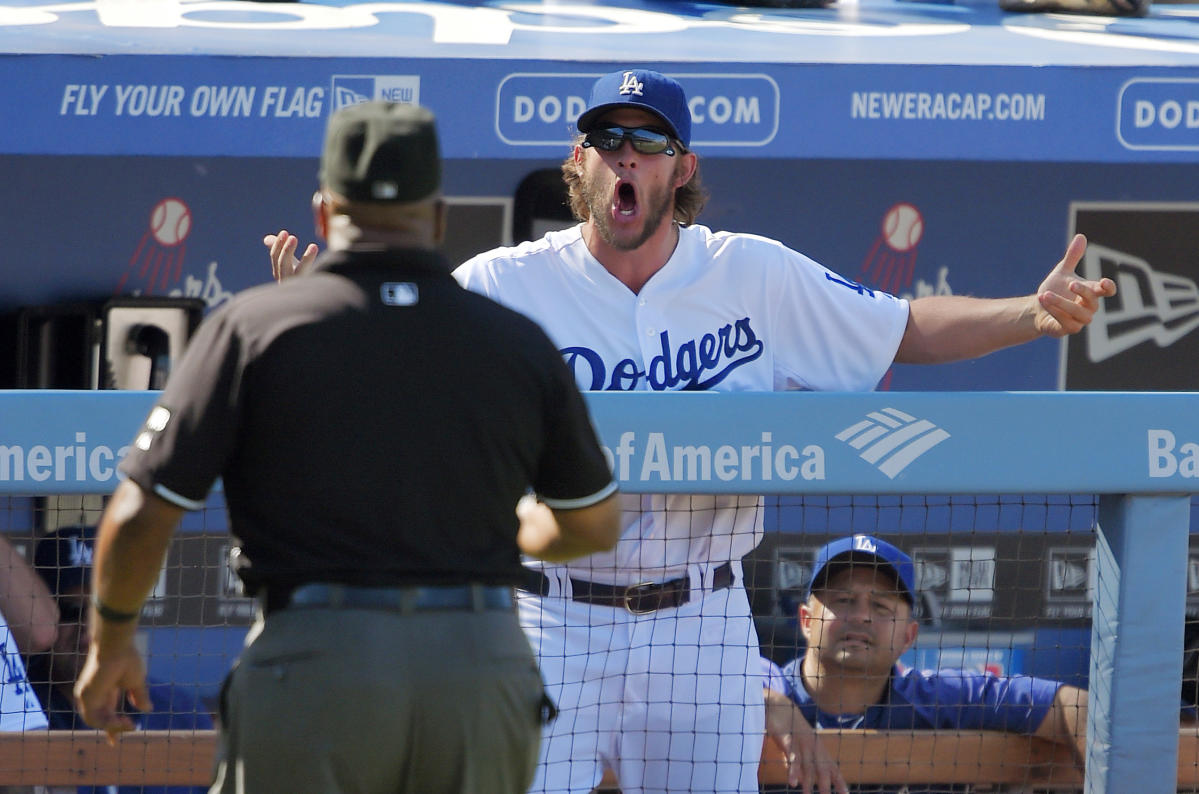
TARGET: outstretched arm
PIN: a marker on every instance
(951, 327)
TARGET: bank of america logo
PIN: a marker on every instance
(1149, 305)
(891, 439)
(350, 89)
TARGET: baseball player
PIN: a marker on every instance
(650, 650)
(28, 625)
(857, 621)
(63, 560)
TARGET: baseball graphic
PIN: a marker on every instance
(157, 262)
(891, 262)
(902, 227)
(170, 221)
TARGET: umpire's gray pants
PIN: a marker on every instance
(364, 701)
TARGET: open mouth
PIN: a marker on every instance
(626, 199)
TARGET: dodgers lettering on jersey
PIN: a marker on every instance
(733, 312)
(695, 365)
(727, 312)
(20, 709)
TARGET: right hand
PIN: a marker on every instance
(283, 254)
(808, 762)
(539, 530)
(103, 683)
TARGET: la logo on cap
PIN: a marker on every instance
(863, 543)
(80, 553)
(632, 85)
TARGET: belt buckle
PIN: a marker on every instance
(637, 591)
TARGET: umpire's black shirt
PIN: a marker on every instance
(374, 423)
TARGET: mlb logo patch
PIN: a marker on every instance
(399, 293)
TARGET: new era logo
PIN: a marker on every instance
(350, 89)
(1150, 306)
(1070, 573)
(1066, 575)
(891, 439)
(930, 575)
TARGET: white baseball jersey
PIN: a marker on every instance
(19, 706)
(728, 312)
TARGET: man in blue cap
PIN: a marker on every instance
(858, 620)
(650, 649)
(63, 559)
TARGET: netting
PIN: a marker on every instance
(1007, 586)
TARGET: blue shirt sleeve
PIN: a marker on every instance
(773, 678)
(968, 700)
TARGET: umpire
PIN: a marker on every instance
(376, 427)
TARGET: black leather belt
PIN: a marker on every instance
(319, 595)
(637, 598)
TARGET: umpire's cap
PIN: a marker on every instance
(868, 551)
(63, 558)
(382, 152)
(642, 89)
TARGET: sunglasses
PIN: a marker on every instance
(644, 139)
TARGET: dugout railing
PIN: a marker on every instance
(1137, 453)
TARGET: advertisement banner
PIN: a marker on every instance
(1146, 337)
(210, 105)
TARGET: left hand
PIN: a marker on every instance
(282, 247)
(1065, 302)
(103, 682)
(808, 763)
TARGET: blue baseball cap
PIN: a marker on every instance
(63, 558)
(645, 90)
(870, 551)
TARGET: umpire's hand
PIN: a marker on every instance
(110, 673)
(808, 764)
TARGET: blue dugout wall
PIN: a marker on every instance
(1138, 452)
(915, 147)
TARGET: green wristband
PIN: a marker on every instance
(113, 615)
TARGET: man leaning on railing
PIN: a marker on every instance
(857, 620)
